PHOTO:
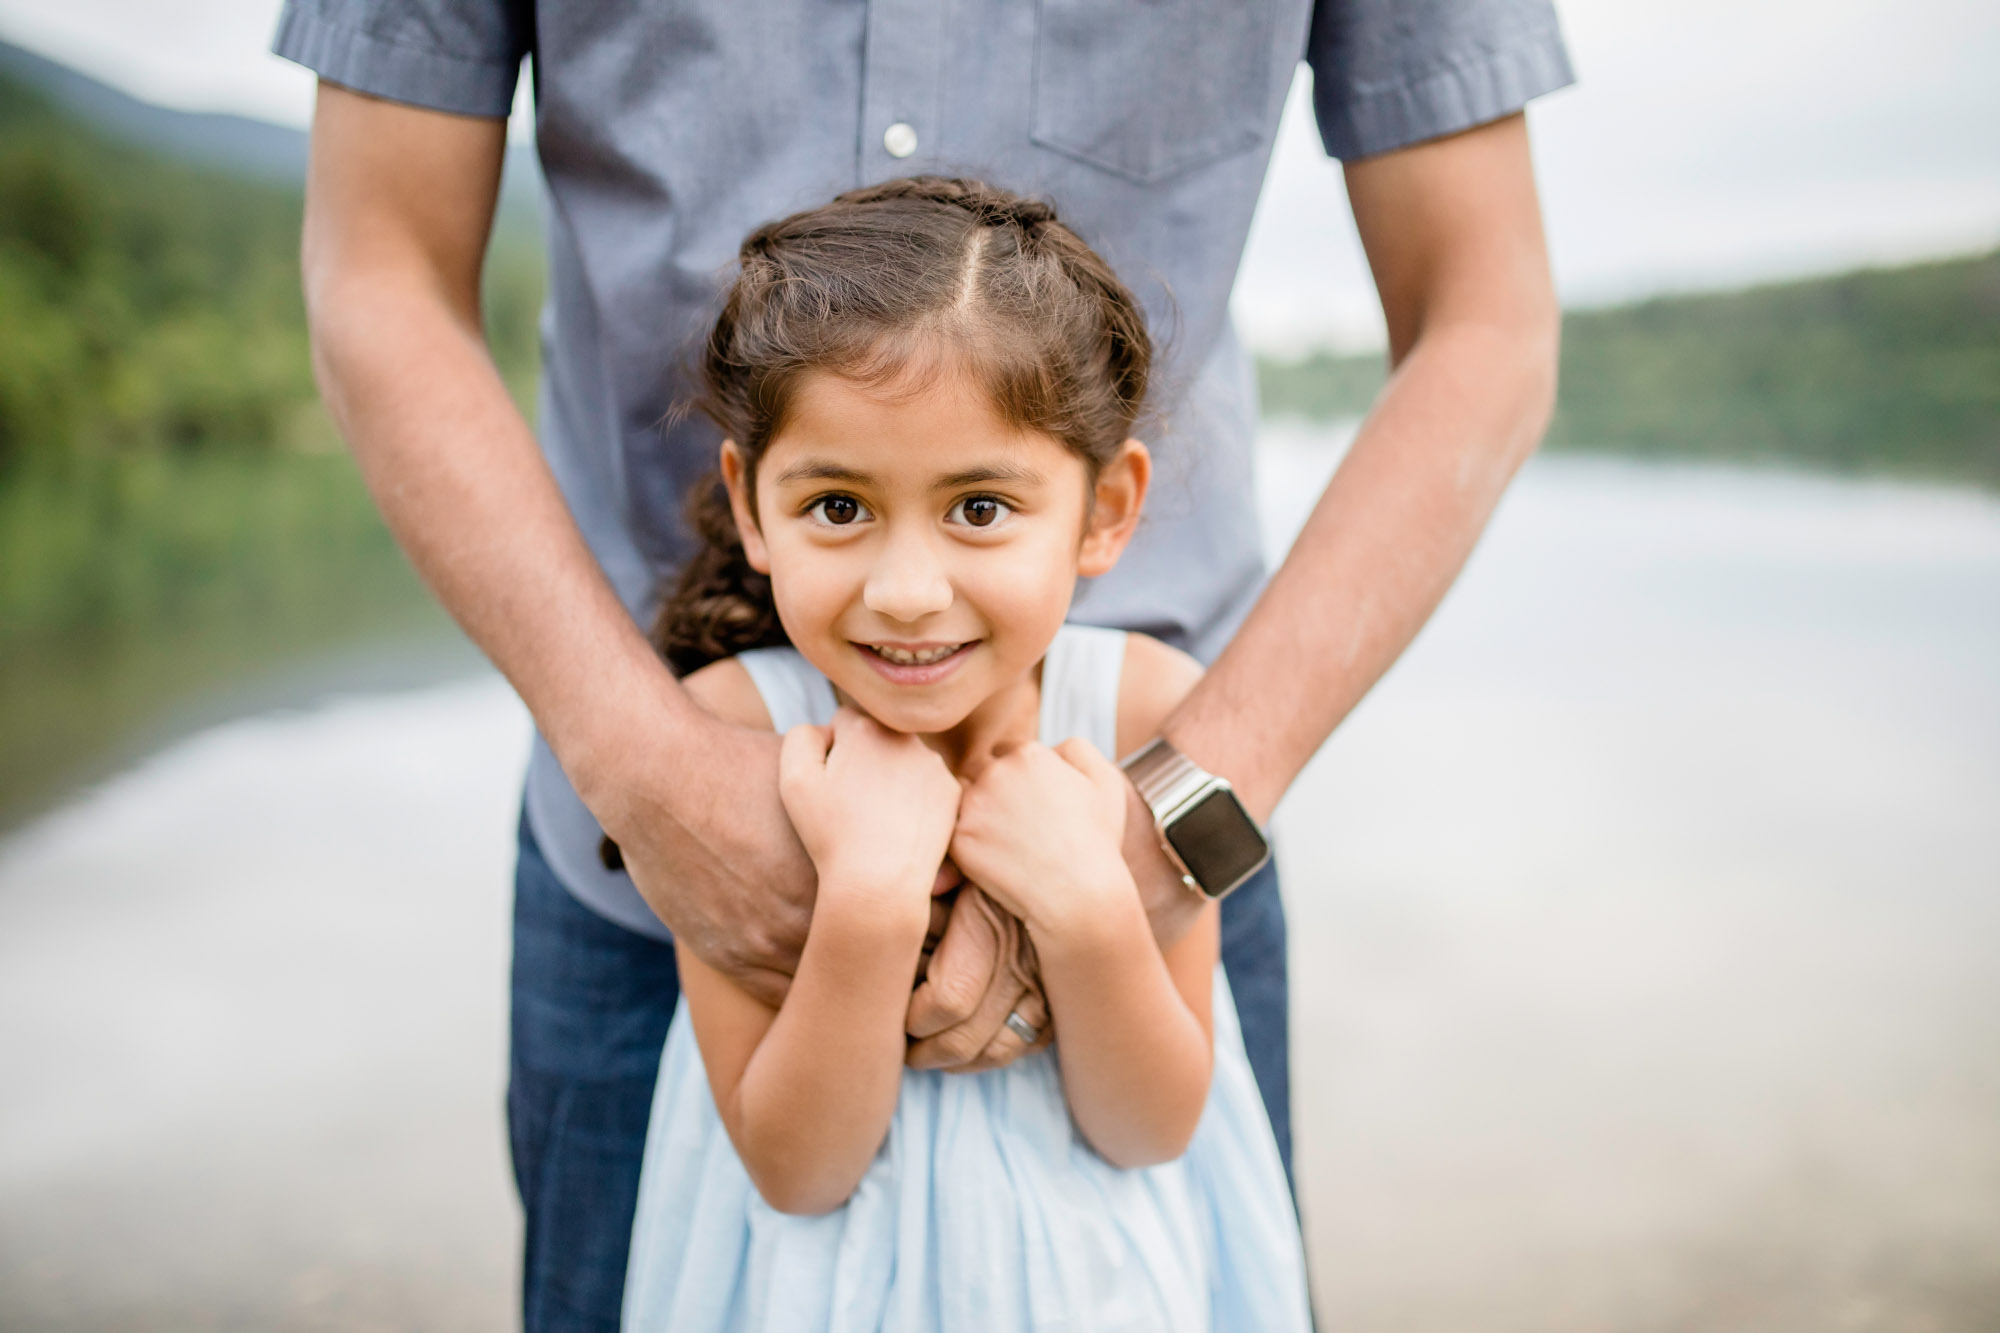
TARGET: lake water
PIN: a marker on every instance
(1643, 926)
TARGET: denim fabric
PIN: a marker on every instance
(1253, 954)
(592, 1002)
(591, 1005)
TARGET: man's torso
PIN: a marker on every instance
(667, 130)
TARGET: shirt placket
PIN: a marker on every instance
(900, 125)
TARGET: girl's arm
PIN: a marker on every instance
(1041, 831)
(1134, 1033)
(807, 1090)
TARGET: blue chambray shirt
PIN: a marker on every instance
(668, 129)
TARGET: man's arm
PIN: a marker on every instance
(1453, 233)
(399, 203)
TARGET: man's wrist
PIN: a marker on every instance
(1204, 831)
(1207, 729)
(612, 749)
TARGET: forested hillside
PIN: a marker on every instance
(148, 306)
(1885, 370)
(174, 504)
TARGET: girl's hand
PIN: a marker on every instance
(1041, 829)
(874, 807)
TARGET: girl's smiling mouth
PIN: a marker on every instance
(915, 663)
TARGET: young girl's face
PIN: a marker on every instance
(922, 551)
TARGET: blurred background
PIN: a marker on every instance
(1643, 919)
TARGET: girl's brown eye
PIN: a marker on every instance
(981, 511)
(838, 510)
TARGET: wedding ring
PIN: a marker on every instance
(1023, 1029)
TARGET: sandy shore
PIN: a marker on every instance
(1643, 927)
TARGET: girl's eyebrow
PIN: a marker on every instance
(814, 469)
(973, 476)
(817, 469)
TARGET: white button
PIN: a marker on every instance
(899, 139)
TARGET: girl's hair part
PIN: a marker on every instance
(899, 284)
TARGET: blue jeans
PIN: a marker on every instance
(591, 1006)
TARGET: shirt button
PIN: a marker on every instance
(899, 139)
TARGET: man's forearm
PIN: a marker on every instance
(1454, 237)
(462, 483)
(399, 202)
(1377, 554)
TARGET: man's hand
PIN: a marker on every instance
(717, 860)
(982, 970)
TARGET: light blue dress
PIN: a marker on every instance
(985, 1209)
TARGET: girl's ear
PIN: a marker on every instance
(736, 476)
(1118, 497)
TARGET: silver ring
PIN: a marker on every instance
(1022, 1028)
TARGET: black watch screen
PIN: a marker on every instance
(1218, 842)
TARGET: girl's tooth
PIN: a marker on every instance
(905, 657)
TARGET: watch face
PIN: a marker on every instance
(1218, 841)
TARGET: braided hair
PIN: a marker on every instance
(919, 276)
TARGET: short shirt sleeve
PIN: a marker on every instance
(461, 56)
(1389, 73)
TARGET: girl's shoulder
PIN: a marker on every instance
(1151, 684)
(726, 689)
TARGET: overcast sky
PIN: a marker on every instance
(1710, 142)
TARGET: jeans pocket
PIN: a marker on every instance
(1148, 89)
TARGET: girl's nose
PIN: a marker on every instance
(908, 583)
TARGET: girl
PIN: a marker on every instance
(928, 389)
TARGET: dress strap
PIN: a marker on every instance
(793, 690)
(1080, 679)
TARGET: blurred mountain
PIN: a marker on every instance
(151, 302)
(149, 276)
(1878, 370)
(237, 145)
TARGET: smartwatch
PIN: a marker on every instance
(1203, 828)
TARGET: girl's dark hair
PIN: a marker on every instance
(920, 277)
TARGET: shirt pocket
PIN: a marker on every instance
(1149, 89)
